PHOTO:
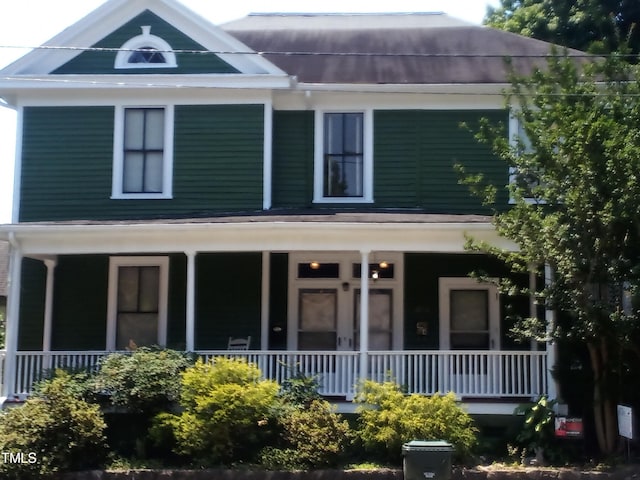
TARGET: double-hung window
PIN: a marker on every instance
(343, 166)
(526, 180)
(143, 153)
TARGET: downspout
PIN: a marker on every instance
(13, 315)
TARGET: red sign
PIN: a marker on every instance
(568, 427)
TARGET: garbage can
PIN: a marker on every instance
(430, 460)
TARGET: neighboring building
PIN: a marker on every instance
(177, 188)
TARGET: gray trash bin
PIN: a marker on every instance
(427, 460)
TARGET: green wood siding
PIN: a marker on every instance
(32, 293)
(292, 158)
(219, 151)
(414, 155)
(67, 163)
(80, 303)
(278, 301)
(102, 62)
(177, 307)
(422, 271)
(228, 298)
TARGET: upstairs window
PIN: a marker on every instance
(143, 153)
(343, 166)
(526, 180)
(343, 155)
(146, 51)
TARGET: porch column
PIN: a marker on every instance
(533, 311)
(264, 306)
(191, 302)
(550, 317)
(13, 316)
(364, 314)
(50, 263)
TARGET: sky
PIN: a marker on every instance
(29, 23)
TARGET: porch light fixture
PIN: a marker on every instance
(383, 264)
(375, 275)
(314, 265)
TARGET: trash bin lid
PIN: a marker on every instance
(427, 446)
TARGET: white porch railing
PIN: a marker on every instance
(487, 374)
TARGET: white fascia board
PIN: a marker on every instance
(272, 236)
(389, 97)
(440, 88)
(166, 81)
(114, 13)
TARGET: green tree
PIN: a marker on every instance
(591, 25)
(581, 216)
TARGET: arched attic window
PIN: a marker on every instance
(146, 51)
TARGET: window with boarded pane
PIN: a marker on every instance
(318, 319)
(143, 160)
(469, 319)
(343, 171)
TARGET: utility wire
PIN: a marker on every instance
(308, 53)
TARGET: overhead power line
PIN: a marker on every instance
(313, 53)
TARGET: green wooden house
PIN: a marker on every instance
(283, 177)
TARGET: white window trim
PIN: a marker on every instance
(112, 304)
(141, 41)
(514, 129)
(118, 155)
(318, 169)
(445, 285)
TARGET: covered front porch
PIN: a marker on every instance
(340, 298)
(505, 376)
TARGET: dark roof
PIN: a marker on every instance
(388, 49)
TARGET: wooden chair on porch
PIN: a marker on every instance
(239, 343)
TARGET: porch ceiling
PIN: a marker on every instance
(334, 231)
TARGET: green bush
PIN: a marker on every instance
(228, 412)
(145, 381)
(299, 390)
(318, 435)
(388, 418)
(52, 432)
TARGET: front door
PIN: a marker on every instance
(326, 315)
(324, 324)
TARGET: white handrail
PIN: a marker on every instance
(477, 374)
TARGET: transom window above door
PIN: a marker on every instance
(143, 152)
(343, 171)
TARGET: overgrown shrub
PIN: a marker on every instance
(228, 412)
(52, 432)
(312, 436)
(299, 390)
(388, 418)
(78, 383)
(145, 381)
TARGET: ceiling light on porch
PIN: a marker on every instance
(314, 265)
(383, 264)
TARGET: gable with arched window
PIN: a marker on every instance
(146, 51)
